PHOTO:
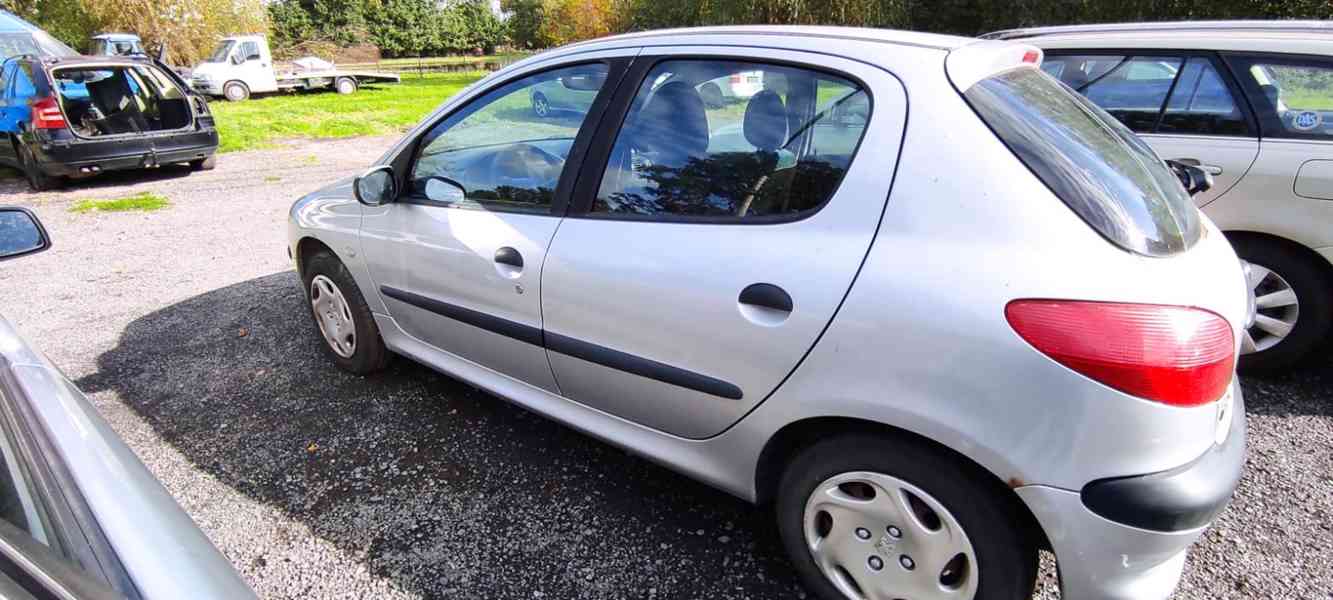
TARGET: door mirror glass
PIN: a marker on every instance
(444, 190)
(376, 186)
(20, 233)
(236, 59)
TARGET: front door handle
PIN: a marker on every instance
(509, 256)
(766, 295)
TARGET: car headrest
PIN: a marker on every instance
(673, 124)
(1075, 79)
(765, 122)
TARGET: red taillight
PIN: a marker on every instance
(1171, 354)
(46, 114)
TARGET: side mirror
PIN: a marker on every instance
(445, 190)
(236, 59)
(21, 233)
(375, 187)
(1194, 179)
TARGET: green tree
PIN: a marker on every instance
(525, 22)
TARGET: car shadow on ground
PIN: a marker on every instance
(445, 489)
(1304, 390)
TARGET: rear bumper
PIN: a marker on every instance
(75, 157)
(1129, 541)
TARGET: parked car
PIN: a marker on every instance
(77, 117)
(117, 44)
(935, 339)
(242, 65)
(1251, 102)
(19, 37)
(80, 516)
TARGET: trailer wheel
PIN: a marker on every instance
(235, 91)
(345, 85)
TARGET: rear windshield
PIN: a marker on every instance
(1090, 161)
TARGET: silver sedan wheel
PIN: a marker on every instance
(877, 536)
(1276, 309)
(334, 316)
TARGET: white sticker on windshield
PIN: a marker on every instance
(1307, 120)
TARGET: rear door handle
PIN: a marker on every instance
(766, 295)
(1209, 169)
(509, 256)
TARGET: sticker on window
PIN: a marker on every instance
(1307, 120)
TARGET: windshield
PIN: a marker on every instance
(223, 49)
(1090, 161)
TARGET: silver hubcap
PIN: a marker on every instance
(877, 536)
(235, 92)
(345, 86)
(1276, 309)
(333, 315)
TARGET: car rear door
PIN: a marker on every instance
(1186, 106)
(457, 259)
(709, 246)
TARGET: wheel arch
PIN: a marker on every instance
(1289, 244)
(798, 435)
(307, 247)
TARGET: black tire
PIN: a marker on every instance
(344, 85)
(235, 91)
(38, 180)
(205, 164)
(1314, 290)
(370, 354)
(1006, 555)
(541, 106)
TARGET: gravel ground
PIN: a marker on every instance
(188, 329)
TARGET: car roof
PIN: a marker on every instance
(888, 36)
(116, 36)
(1305, 37)
(11, 23)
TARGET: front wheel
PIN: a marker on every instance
(1293, 300)
(865, 516)
(344, 320)
(235, 91)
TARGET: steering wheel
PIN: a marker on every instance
(527, 162)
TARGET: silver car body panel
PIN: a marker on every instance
(161, 549)
(920, 342)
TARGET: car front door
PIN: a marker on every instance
(457, 259)
(8, 116)
(256, 70)
(709, 246)
(1185, 106)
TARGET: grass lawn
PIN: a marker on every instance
(144, 201)
(378, 110)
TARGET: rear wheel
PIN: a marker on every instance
(235, 91)
(38, 180)
(1293, 304)
(865, 516)
(342, 317)
(541, 106)
(345, 85)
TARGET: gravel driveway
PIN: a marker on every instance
(188, 328)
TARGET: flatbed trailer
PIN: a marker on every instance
(242, 65)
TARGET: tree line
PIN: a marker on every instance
(437, 27)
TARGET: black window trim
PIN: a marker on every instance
(1266, 128)
(617, 66)
(594, 164)
(1238, 95)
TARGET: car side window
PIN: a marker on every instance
(732, 140)
(22, 88)
(1292, 96)
(1201, 103)
(507, 149)
(1132, 91)
(249, 49)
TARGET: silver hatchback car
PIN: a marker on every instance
(934, 307)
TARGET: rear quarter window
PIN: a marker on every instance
(1089, 160)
